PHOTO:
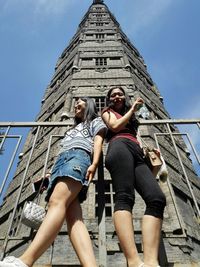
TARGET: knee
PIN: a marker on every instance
(56, 201)
(124, 201)
(52, 202)
(155, 205)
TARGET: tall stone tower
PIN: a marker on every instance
(98, 57)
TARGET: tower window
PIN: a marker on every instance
(100, 103)
(87, 62)
(114, 61)
(102, 61)
(100, 36)
(99, 24)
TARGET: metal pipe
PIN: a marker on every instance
(142, 122)
(4, 136)
(61, 124)
(183, 169)
(189, 139)
(111, 199)
(19, 194)
(48, 152)
(47, 157)
(180, 220)
(11, 161)
(193, 148)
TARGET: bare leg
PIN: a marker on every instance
(151, 229)
(79, 235)
(64, 193)
(124, 228)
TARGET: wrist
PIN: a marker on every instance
(94, 164)
(132, 109)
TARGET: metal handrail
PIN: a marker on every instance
(39, 125)
(142, 122)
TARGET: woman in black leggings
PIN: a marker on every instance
(129, 172)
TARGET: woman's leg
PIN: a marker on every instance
(120, 163)
(64, 193)
(79, 235)
(151, 229)
(124, 228)
(155, 200)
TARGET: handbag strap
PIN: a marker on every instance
(36, 197)
(143, 143)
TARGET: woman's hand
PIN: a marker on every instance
(98, 142)
(137, 104)
(91, 172)
(157, 151)
(42, 183)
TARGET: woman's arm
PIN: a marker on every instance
(98, 142)
(117, 125)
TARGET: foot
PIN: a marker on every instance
(12, 262)
(140, 265)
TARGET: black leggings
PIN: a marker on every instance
(129, 172)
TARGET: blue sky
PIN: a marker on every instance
(33, 34)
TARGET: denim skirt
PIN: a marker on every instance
(72, 164)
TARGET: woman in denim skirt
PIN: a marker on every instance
(75, 167)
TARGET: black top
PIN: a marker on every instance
(131, 127)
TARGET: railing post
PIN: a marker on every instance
(101, 216)
(183, 169)
(19, 194)
(11, 162)
(4, 137)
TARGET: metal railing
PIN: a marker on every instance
(169, 124)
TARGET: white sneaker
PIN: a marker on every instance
(12, 262)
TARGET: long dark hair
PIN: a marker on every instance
(133, 122)
(90, 111)
(127, 102)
